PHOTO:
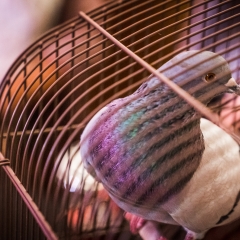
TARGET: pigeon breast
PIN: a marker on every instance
(145, 150)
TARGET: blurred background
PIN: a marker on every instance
(23, 21)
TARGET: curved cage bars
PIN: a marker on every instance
(56, 85)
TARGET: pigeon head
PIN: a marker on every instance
(203, 74)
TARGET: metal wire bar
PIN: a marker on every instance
(29, 202)
(191, 100)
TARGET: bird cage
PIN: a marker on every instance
(58, 83)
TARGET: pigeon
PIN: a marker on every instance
(159, 159)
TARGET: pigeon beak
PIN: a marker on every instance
(232, 86)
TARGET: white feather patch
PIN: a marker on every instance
(212, 191)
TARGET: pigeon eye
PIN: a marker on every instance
(209, 77)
